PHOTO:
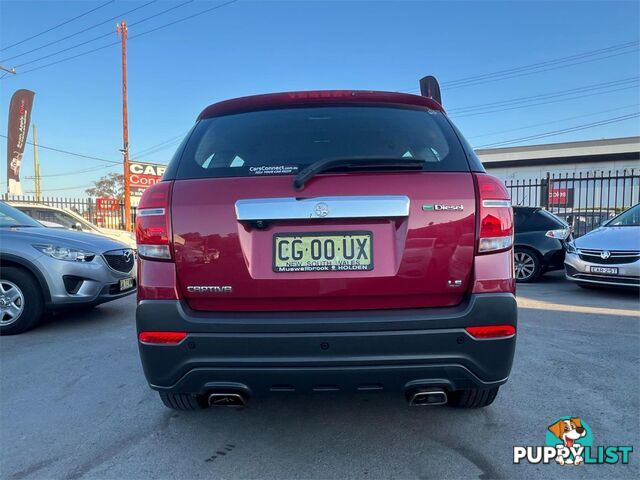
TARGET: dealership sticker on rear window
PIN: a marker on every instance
(569, 441)
(273, 169)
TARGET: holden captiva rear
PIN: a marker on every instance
(326, 241)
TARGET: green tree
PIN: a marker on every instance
(111, 185)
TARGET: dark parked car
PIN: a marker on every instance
(326, 241)
(540, 242)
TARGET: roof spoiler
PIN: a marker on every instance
(429, 87)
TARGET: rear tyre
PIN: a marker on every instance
(183, 401)
(21, 303)
(527, 265)
(473, 398)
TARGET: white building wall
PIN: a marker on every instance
(540, 171)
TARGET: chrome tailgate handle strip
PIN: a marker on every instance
(291, 208)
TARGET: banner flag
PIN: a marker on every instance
(18, 128)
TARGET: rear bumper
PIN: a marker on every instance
(392, 350)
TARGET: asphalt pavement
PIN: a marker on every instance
(74, 404)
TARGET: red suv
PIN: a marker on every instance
(325, 241)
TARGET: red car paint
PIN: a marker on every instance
(429, 259)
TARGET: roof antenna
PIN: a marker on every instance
(429, 87)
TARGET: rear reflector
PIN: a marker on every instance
(165, 338)
(491, 331)
(154, 251)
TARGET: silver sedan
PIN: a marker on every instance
(609, 255)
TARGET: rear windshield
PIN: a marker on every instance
(284, 141)
(529, 220)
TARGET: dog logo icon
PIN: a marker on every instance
(569, 441)
(572, 432)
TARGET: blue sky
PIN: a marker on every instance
(253, 47)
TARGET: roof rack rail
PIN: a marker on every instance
(429, 87)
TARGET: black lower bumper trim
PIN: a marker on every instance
(328, 351)
(264, 381)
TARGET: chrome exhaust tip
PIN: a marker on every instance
(428, 398)
(219, 399)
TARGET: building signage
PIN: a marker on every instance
(142, 176)
(560, 197)
(107, 204)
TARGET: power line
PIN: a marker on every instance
(130, 37)
(57, 26)
(546, 63)
(66, 188)
(560, 93)
(159, 149)
(538, 103)
(553, 121)
(564, 130)
(114, 162)
(539, 67)
(159, 146)
(75, 172)
(73, 35)
(544, 70)
(117, 42)
(91, 40)
(185, 18)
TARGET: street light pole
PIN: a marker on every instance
(36, 165)
(122, 30)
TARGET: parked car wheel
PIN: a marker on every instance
(183, 401)
(21, 302)
(473, 398)
(527, 265)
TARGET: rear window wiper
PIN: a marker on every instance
(355, 163)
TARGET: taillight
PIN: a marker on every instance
(153, 227)
(491, 331)
(560, 234)
(164, 338)
(496, 215)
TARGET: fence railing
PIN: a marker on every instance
(583, 201)
(90, 209)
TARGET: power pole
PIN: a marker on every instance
(122, 30)
(36, 164)
(8, 70)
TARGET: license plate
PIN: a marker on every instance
(322, 252)
(126, 284)
(606, 270)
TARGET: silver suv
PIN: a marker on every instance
(46, 268)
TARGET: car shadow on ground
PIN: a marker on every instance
(99, 315)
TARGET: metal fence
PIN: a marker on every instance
(102, 214)
(583, 201)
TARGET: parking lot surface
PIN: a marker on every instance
(74, 404)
